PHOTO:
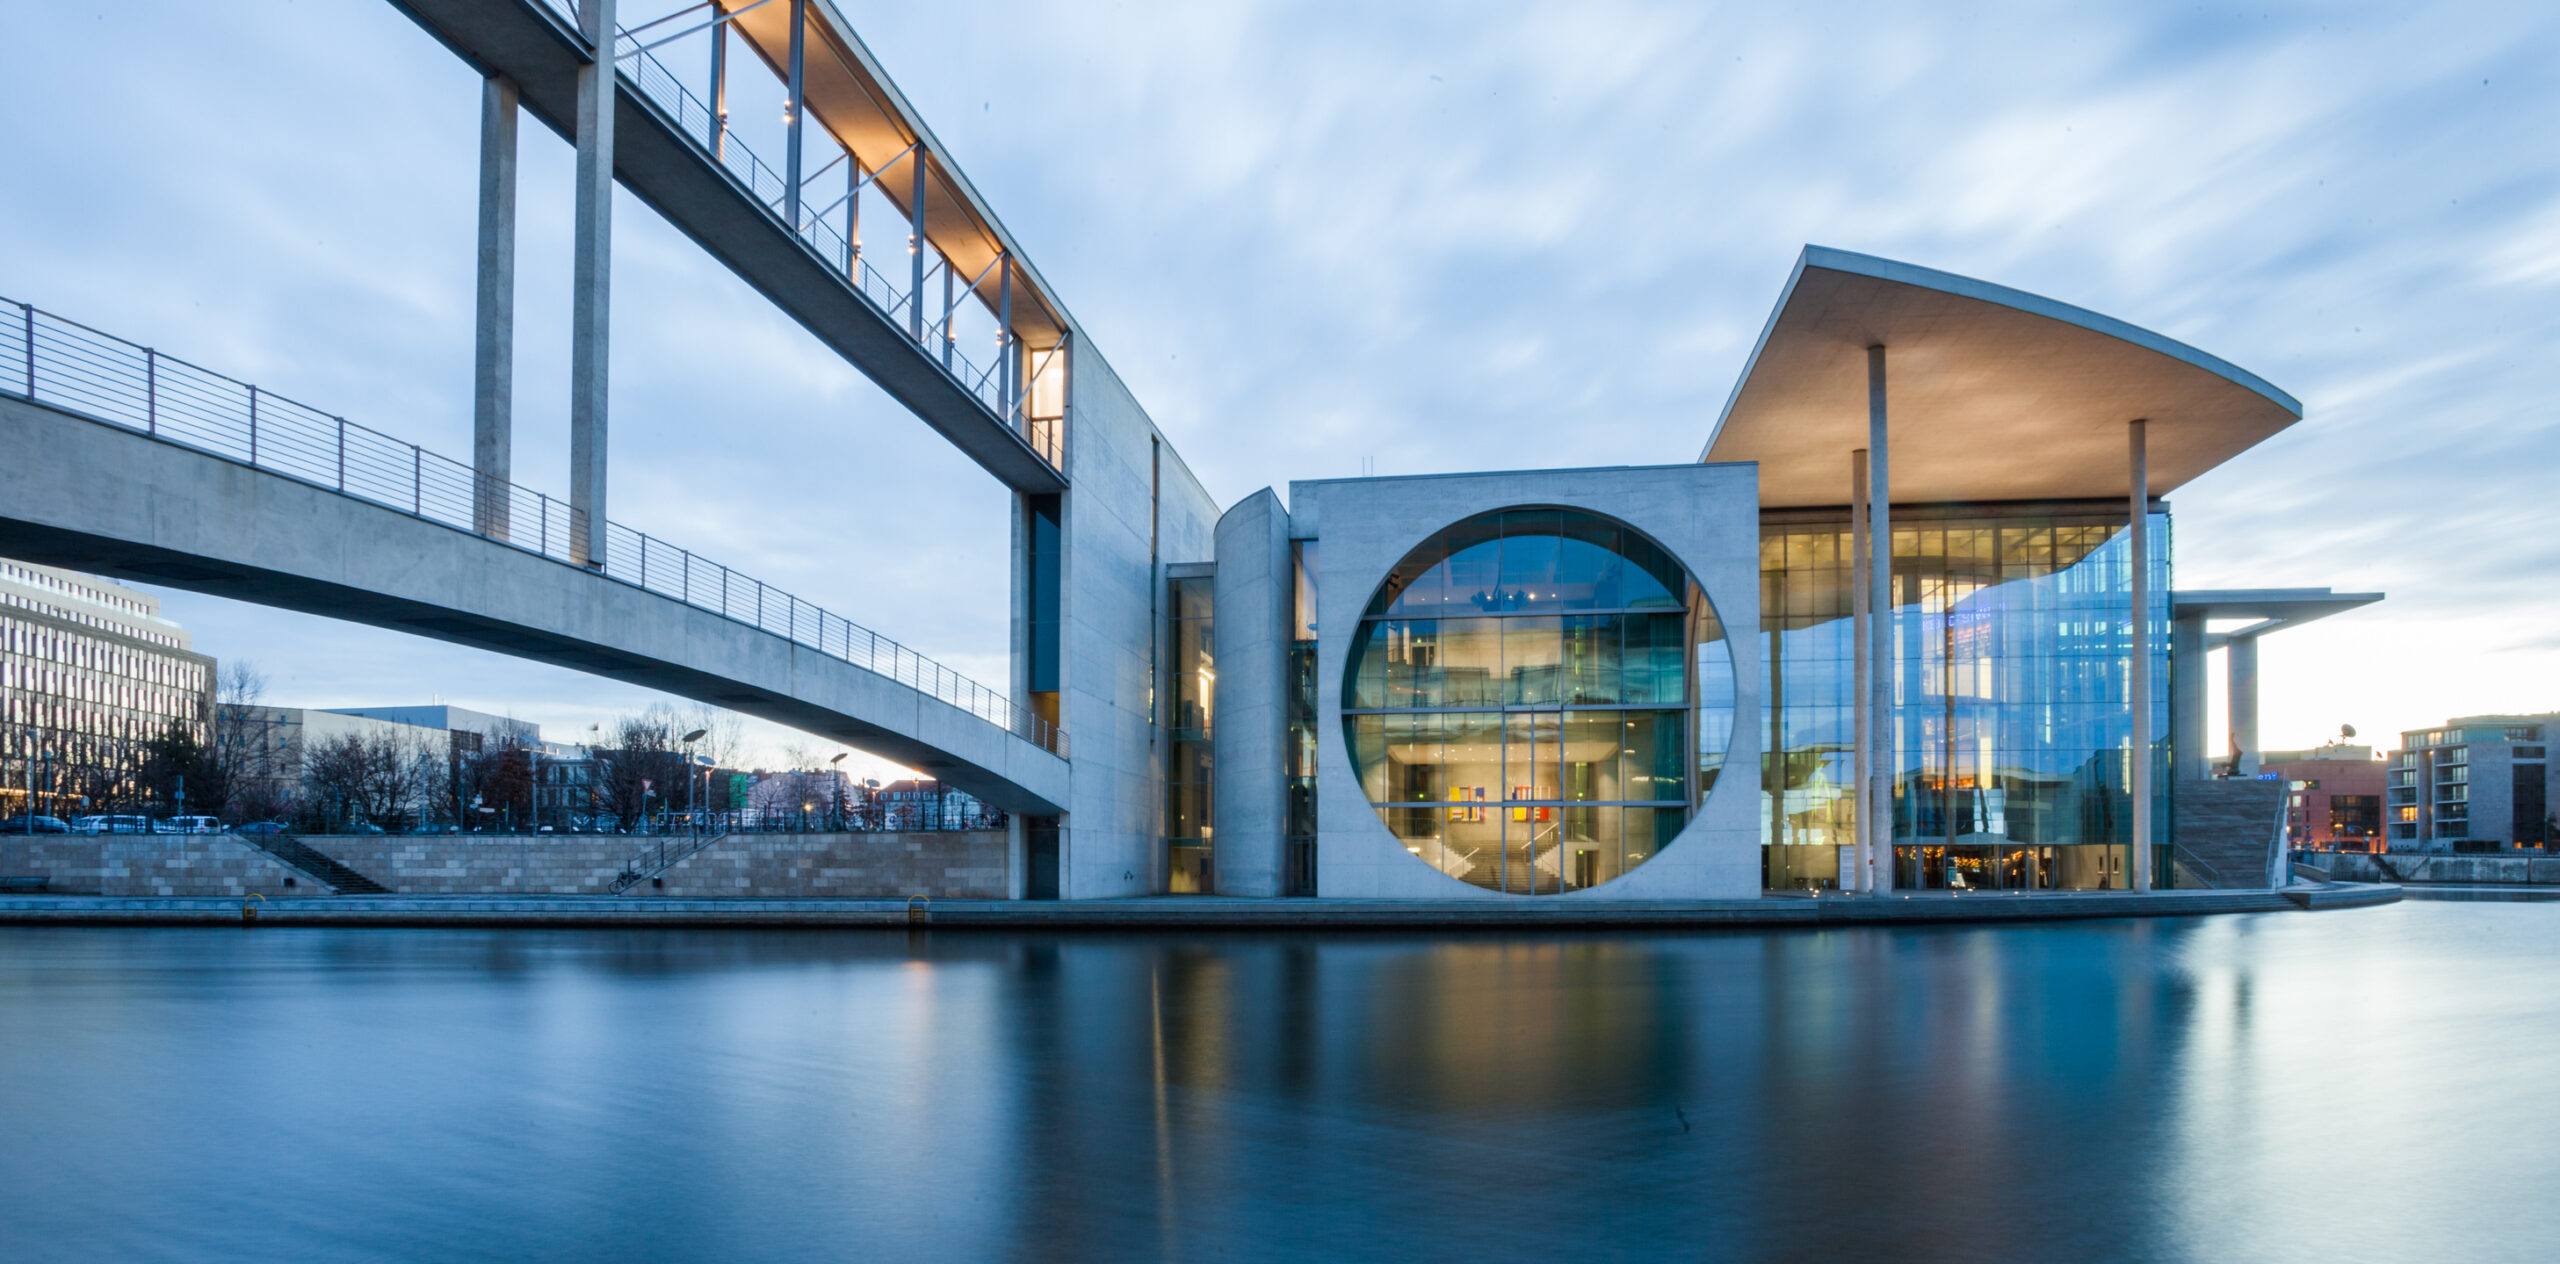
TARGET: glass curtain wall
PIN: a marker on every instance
(1521, 706)
(2011, 713)
(1193, 702)
(1298, 875)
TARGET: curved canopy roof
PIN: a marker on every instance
(1991, 393)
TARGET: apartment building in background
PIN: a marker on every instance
(2478, 780)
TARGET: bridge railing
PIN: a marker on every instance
(826, 232)
(61, 363)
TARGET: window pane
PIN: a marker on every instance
(1532, 659)
(1591, 659)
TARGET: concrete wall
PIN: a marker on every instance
(1249, 733)
(1708, 516)
(2350, 866)
(1109, 642)
(947, 863)
(150, 865)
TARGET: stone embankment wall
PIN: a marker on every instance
(954, 865)
(948, 864)
(2352, 866)
(943, 864)
(150, 865)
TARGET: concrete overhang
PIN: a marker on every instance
(1991, 393)
(2272, 608)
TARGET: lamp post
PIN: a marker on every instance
(30, 771)
(692, 817)
(835, 790)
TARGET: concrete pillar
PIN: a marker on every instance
(2187, 699)
(1879, 647)
(2138, 670)
(915, 246)
(591, 282)
(493, 344)
(795, 110)
(1249, 735)
(1861, 550)
(2242, 664)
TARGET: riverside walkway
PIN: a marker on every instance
(1180, 912)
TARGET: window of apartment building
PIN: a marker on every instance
(2528, 752)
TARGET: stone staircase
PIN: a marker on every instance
(2228, 831)
(293, 851)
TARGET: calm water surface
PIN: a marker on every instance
(2366, 1085)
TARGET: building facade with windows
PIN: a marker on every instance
(1896, 628)
(2481, 780)
(2333, 796)
(91, 675)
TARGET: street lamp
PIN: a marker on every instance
(835, 793)
(692, 818)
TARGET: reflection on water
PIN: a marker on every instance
(2227, 1089)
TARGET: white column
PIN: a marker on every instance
(591, 297)
(1863, 697)
(2138, 671)
(493, 344)
(1879, 646)
(2241, 661)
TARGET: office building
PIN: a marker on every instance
(91, 674)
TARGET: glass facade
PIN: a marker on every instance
(1298, 871)
(1536, 700)
(1193, 701)
(2011, 714)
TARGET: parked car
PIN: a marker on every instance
(187, 825)
(363, 827)
(35, 825)
(262, 827)
(111, 824)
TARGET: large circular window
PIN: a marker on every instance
(1537, 700)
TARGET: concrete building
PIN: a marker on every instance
(1892, 631)
(1905, 620)
(275, 748)
(491, 729)
(2333, 796)
(2477, 781)
(90, 674)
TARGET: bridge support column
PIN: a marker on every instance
(2138, 667)
(493, 352)
(915, 247)
(591, 304)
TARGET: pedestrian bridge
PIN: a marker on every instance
(134, 464)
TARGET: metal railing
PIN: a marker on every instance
(63, 364)
(768, 188)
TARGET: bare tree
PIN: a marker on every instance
(372, 777)
(636, 769)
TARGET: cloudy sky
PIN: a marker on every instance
(1433, 236)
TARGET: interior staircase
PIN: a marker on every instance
(293, 851)
(2229, 832)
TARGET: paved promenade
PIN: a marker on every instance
(1172, 912)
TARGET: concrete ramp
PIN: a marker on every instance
(99, 497)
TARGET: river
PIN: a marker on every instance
(2358, 1085)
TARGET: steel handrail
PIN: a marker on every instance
(76, 368)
